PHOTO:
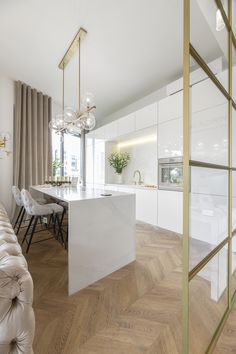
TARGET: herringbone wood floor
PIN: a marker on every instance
(227, 341)
(136, 310)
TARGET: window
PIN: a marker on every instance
(71, 154)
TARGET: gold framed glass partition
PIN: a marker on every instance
(209, 194)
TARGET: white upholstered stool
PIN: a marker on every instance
(19, 202)
(36, 211)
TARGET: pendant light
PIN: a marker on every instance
(72, 121)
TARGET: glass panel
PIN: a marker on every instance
(234, 200)
(214, 48)
(207, 302)
(234, 73)
(209, 121)
(71, 155)
(234, 16)
(233, 265)
(225, 6)
(234, 138)
(208, 211)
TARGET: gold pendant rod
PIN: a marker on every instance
(72, 48)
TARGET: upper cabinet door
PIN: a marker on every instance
(126, 125)
(171, 107)
(111, 131)
(205, 95)
(146, 117)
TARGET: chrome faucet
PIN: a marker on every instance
(139, 179)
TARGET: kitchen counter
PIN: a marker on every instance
(134, 186)
(70, 194)
(101, 229)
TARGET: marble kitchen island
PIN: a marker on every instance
(101, 232)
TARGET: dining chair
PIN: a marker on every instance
(36, 211)
(19, 202)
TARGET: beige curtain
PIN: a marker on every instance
(32, 138)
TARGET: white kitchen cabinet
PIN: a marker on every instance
(170, 107)
(209, 135)
(89, 161)
(99, 163)
(146, 206)
(146, 117)
(146, 201)
(170, 210)
(170, 138)
(204, 95)
(110, 131)
(126, 125)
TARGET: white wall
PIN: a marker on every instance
(6, 124)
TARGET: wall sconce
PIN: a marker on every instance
(4, 137)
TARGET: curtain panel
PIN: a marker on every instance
(32, 137)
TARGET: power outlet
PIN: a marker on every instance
(45, 220)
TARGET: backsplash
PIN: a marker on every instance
(143, 157)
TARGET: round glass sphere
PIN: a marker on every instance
(59, 122)
(73, 129)
(87, 100)
(89, 121)
(69, 115)
(52, 124)
(80, 123)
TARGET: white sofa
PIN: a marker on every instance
(17, 322)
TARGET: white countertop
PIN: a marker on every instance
(133, 186)
(70, 194)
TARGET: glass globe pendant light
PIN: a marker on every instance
(72, 121)
(89, 121)
(87, 100)
(69, 115)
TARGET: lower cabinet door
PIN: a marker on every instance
(146, 206)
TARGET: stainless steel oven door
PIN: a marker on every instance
(170, 176)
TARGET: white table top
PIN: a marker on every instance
(70, 194)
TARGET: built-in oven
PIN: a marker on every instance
(170, 173)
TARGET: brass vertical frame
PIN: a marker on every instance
(186, 68)
(62, 144)
(230, 156)
(187, 163)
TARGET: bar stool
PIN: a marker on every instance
(17, 196)
(65, 211)
(36, 211)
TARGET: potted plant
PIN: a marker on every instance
(119, 160)
(56, 164)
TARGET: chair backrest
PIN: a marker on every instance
(17, 195)
(28, 201)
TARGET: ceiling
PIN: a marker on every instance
(132, 48)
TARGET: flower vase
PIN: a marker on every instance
(119, 178)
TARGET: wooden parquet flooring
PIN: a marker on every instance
(227, 341)
(135, 310)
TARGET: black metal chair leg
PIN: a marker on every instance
(26, 233)
(20, 222)
(59, 229)
(18, 216)
(62, 216)
(32, 233)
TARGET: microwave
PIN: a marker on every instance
(170, 173)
